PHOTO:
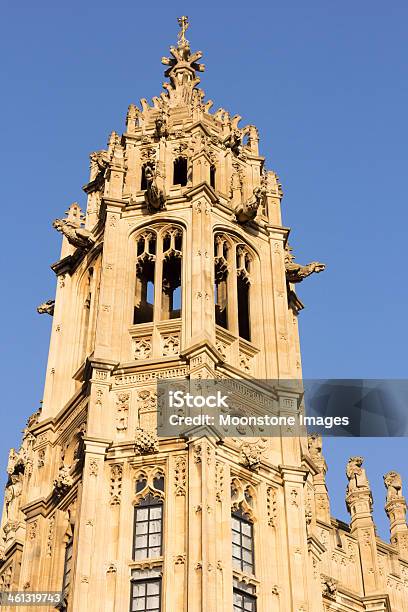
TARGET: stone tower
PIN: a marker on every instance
(181, 268)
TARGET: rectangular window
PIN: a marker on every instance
(145, 591)
(148, 531)
(242, 544)
(244, 599)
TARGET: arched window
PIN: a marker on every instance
(158, 275)
(221, 252)
(232, 285)
(171, 282)
(145, 278)
(243, 290)
(180, 171)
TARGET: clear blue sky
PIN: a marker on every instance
(325, 83)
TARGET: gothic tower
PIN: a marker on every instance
(181, 269)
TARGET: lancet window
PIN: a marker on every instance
(180, 171)
(232, 290)
(158, 275)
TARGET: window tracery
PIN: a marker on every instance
(158, 274)
(232, 285)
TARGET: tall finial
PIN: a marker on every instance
(181, 36)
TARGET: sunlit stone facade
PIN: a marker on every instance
(180, 268)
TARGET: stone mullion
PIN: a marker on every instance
(125, 538)
(233, 293)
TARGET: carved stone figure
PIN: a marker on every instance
(153, 195)
(12, 494)
(78, 236)
(63, 481)
(161, 127)
(295, 272)
(46, 307)
(248, 211)
(234, 141)
(99, 163)
(356, 475)
(329, 587)
(393, 484)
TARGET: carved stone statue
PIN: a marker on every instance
(99, 163)
(314, 442)
(248, 211)
(76, 235)
(46, 307)
(234, 141)
(295, 272)
(356, 475)
(393, 484)
(153, 195)
(13, 492)
(161, 126)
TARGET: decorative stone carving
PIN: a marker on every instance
(247, 211)
(252, 452)
(242, 497)
(234, 141)
(295, 272)
(180, 475)
(76, 235)
(145, 442)
(329, 587)
(93, 466)
(171, 345)
(116, 484)
(155, 198)
(50, 535)
(393, 484)
(271, 506)
(46, 307)
(356, 475)
(122, 412)
(63, 482)
(12, 496)
(142, 349)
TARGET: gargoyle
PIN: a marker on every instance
(295, 272)
(76, 235)
(153, 195)
(46, 307)
(234, 141)
(248, 211)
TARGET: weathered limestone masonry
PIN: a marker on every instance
(181, 268)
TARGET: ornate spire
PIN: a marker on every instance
(182, 68)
